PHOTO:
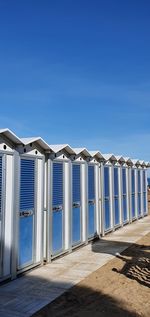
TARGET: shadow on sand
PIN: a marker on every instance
(135, 256)
(137, 264)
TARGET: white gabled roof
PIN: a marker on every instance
(39, 140)
(142, 163)
(83, 151)
(136, 162)
(71, 151)
(128, 160)
(120, 158)
(147, 164)
(109, 157)
(96, 154)
(60, 147)
(11, 136)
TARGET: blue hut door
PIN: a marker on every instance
(124, 195)
(1, 256)
(57, 209)
(116, 196)
(76, 207)
(133, 193)
(91, 201)
(144, 193)
(27, 213)
(107, 221)
(139, 193)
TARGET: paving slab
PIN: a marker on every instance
(26, 295)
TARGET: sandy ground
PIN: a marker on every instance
(119, 288)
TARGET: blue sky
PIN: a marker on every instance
(77, 72)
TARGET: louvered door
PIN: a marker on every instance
(139, 193)
(76, 206)
(91, 201)
(116, 197)
(133, 193)
(0, 184)
(1, 215)
(107, 198)
(27, 212)
(144, 193)
(57, 209)
(124, 195)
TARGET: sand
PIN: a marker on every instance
(119, 288)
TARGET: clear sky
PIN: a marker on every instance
(77, 72)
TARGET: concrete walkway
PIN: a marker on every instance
(28, 294)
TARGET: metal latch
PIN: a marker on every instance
(26, 213)
(57, 208)
(116, 196)
(76, 205)
(91, 202)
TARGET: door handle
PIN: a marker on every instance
(57, 208)
(91, 202)
(26, 213)
(76, 205)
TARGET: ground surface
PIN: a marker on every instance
(119, 288)
(105, 293)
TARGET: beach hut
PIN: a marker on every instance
(138, 179)
(133, 189)
(126, 189)
(108, 205)
(8, 142)
(86, 219)
(119, 191)
(144, 187)
(54, 198)
(95, 194)
(58, 200)
(29, 205)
